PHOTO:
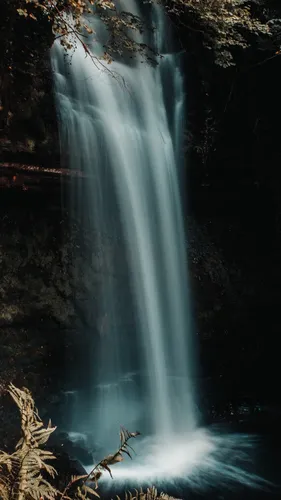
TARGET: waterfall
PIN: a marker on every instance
(128, 139)
(123, 130)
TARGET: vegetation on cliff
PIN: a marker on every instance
(28, 28)
(228, 25)
(225, 24)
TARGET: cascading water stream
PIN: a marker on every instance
(127, 140)
(126, 132)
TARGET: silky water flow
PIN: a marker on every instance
(121, 128)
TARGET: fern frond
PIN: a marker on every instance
(87, 489)
(116, 457)
(150, 494)
(22, 473)
(4, 490)
(82, 489)
(29, 461)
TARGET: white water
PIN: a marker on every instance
(123, 137)
(128, 140)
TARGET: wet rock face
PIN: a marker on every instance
(36, 288)
(52, 269)
(27, 111)
(53, 274)
(213, 286)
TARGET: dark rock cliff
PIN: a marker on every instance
(52, 283)
(234, 235)
(27, 111)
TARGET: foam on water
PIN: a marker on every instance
(203, 459)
